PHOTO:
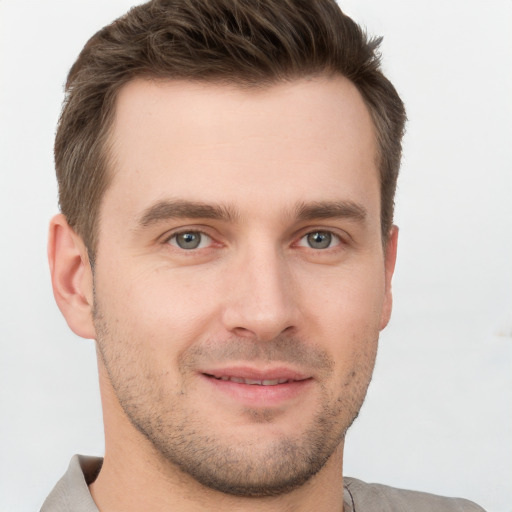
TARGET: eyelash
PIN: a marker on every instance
(333, 237)
(202, 235)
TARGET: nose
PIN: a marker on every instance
(261, 302)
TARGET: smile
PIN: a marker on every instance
(254, 387)
(252, 382)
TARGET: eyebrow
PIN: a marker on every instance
(179, 209)
(331, 210)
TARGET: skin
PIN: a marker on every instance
(264, 178)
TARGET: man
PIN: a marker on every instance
(226, 175)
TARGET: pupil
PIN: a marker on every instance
(188, 240)
(319, 240)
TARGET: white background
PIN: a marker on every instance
(439, 412)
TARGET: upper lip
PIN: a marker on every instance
(256, 374)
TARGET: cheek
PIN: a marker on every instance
(161, 308)
(345, 312)
(347, 299)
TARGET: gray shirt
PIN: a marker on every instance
(71, 494)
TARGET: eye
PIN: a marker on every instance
(189, 240)
(319, 240)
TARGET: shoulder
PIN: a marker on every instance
(382, 498)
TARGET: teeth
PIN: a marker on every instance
(253, 382)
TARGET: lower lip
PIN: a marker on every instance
(259, 396)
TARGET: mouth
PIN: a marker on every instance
(256, 388)
(252, 382)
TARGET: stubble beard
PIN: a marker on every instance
(255, 468)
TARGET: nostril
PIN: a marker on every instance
(262, 332)
(243, 332)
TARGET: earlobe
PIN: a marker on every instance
(71, 277)
(389, 265)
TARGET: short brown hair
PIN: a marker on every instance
(244, 42)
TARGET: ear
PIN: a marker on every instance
(71, 275)
(389, 267)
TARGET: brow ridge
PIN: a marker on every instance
(345, 209)
(304, 211)
(177, 209)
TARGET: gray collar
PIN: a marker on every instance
(72, 490)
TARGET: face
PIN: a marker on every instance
(240, 279)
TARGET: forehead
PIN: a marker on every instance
(304, 140)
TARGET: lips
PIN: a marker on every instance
(256, 377)
(252, 382)
(258, 387)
